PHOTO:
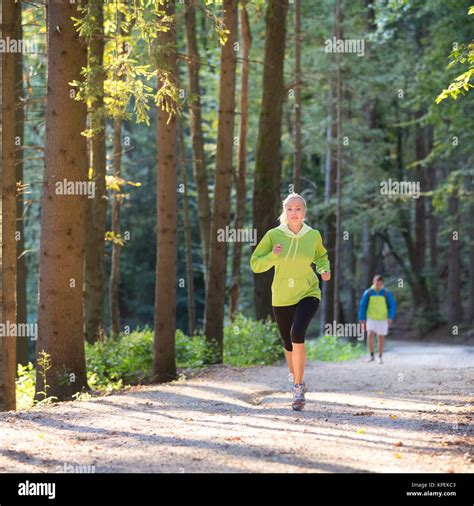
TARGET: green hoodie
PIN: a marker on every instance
(294, 277)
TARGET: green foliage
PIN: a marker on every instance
(25, 386)
(128, 67)
(333, 349)
(129, 358)
(26, 383)
(44, 365)
(463, 54)
(191, 351)
(126, 359)
(249, 342)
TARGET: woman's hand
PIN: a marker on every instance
(277, 249)
(326, 276)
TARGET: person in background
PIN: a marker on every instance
(376, 312)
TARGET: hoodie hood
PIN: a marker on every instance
(294, 237)
(285, 228)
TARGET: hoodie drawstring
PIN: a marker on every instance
(291, 244)
(296, 247)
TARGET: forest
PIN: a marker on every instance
(147, 148)
(137, 136)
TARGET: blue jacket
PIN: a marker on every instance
(364, 302)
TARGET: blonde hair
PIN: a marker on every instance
(283, 219)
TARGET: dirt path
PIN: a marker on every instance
(411, 414)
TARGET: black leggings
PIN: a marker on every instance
(293, 321)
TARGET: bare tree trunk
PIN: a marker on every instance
(350, 279)
(470, 233)
(60, 305)
(242, 158)
(114, 280)
(337, 252)
(21, 310)
(216, 289)
(455, 312)
(420, 215)
(368, 263)
(167, 209)
(327, 299)
(199, 165)
(96, 208)
(8, 215)
(266, 195)
(426, 316)
(433, 224)
(187, 236)
(330, 295)
(114, 308)
(298, 149)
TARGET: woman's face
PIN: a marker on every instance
(295, 211)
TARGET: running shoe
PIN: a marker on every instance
(370, 359)
(291, 379)
(299, 400)
(380, 359)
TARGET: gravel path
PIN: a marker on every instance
(410, 414)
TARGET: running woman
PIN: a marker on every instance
(376, 312)
(291, 248)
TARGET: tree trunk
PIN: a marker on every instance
(327, 300)
(96, 208)
(167, 212)
(216, 289)
(368, 264)
(199, 165)
(114, 308)
(455, 312)
(470, 234)
(60, 305)
(433, 224)
(337, 249)
(8, 215)
(187, 236)
(368, 261)
(22, 315)
(298, 148)
(266, 195)
(420, 215)
(426, 316)
(242, 159)
(114, 280)
(350, 279)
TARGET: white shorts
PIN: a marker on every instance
(379, 327)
